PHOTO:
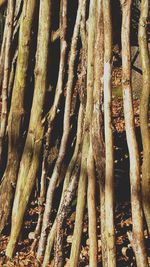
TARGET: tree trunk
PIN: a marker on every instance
(62, 215)
(144, 109)
(79, 137)
(2, 54)
(109, 159)
(30, 161)
(57, 122)
(53, 111)
(98, 122)
(66, 130)
(7, 64)
(82, 186)
(136, 205)
(91, 202)
(17, 114)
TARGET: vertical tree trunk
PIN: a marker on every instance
(60, 81)
(136, 204)
(17, 114)
(82, 186)
(109, 167)
(2, 52)
(144, 109)
(53, 111)
(91, 201)
(51, 236)
(31, 155)
(98, 122)
(7, 64)
(62, 215)
(66, 130)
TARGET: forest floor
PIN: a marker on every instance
(123, 221)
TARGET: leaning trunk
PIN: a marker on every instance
(30, 161)
(64, 141)
(7, 64)
(17, 114)
(144, 109)
(137, 238)
(82, 186)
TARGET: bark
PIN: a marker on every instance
(84, 76)
(30, 161)
(51, 236)
(62, 215)
(144, 109)
(7, 64)
(82, 187)
(136, 204)
(17, 114)
(109, 159)
(66, 129)
(91, 194)
(11, 78)
(59, 88)
(98, 121)
(2, 53)
(41, 201)
(52, 113)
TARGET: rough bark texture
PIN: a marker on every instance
(98, 121)
(91, 202)
(2, 54)
(7, 64)
(136, 205)
(109, 166)
(56, 122)
(62, 215)
(31, 155)
(51, 236)
(144, 109)
(53, 111)
(66, 129)
(17, 114)
(82, 187)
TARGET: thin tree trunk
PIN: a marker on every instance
(109, 167)
(62, 215)
(7, 64)
(17, 114)
(30, 161)
(144, 109)
(91, 201)
(82, 187)
(66, 129)
(41, 201)
(51, 236)
(98, 122)
(52, 114)
(11, 78)
(59, 88)
(136, 204)
(2, 53)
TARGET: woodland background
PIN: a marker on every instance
(74, 133)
